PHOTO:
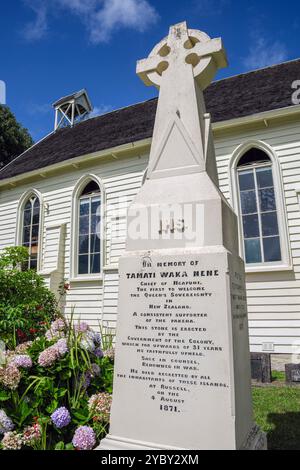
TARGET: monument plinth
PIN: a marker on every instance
(182, 371)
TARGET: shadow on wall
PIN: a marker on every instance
(285, 434)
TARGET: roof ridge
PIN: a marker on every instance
(257, 70)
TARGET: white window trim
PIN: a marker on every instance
(80, 185)
(286, 263)
(19, 224)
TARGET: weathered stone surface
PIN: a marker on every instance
(261, 367)
(292, 373)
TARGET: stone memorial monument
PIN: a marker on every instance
(182, 371)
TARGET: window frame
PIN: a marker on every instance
(285, 263)
(20, 223)
(74, 248)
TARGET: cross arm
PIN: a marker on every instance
(145, 67)
(215, 48)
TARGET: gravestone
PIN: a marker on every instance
(261, 370)
(182, 370)
(292, 373)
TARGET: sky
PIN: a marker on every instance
(51, 48)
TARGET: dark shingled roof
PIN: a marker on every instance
(242, 95)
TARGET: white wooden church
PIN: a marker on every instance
(66, 197)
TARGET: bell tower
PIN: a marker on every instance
(72, 109)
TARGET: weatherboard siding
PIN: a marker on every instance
(91, 300)
(273, 297)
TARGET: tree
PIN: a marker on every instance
(14, 138)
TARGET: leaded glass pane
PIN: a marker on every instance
(84, 207)
(246, 180)
(264, 177)
(27, 217)
(84, 225)
(83, 244)
(251, 226)
(248, 202)
(269, 224)
(95, 263)
(95, 224)
(95, 205)
(252, 250)
(83, 264)
(272, 249)
(95, 243)
(267, 200)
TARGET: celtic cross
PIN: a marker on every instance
(181, 66)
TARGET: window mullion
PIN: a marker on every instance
(30, 233)
(259, 217)
(90, 231)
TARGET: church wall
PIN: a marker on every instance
(273, 297)
(93, 301)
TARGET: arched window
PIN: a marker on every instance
(31, 229)
(89, 230)
(258, 208)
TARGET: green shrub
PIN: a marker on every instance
(52, 387)
(26, 304)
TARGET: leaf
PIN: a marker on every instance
(4, 396)
(60, 446)
(69, 446)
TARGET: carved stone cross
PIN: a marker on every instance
(181, 66)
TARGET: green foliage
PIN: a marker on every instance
(26, 305)
(14, 139)
(69, 381)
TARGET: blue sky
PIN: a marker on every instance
(50, 48)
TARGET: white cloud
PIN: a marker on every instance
(263, 52)
(211, 7)
(38, 109)
(102, 109)
(37, 28)
(101, 18)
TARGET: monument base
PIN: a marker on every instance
(256, 440)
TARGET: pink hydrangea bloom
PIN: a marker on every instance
(48, 356)
(84, 438)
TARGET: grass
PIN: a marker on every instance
(277, 412)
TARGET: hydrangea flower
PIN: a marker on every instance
(10, 376)
(12, 441)
(32, 434)
(87, 344)
(61, 417)
(56, 330)
(82, 327)
(6, 423)
(97, 337)
(100, 405)
(22, 360)
(84, 438)
(48, 356)
(98, 352)
(110, 353)
(95, 370)
(23, 348)
(62, 346)
(86, 379)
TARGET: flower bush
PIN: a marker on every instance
(55, 391)
(26, 305)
